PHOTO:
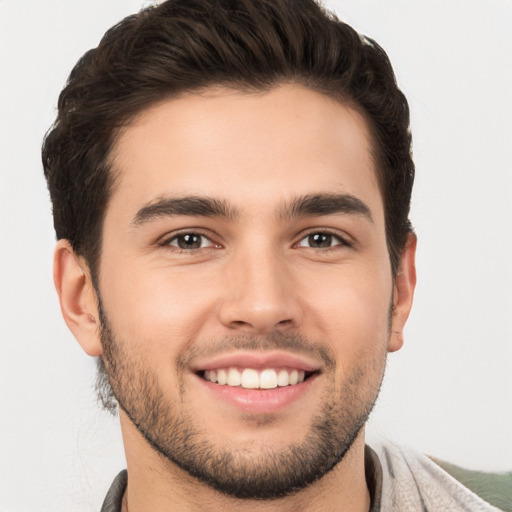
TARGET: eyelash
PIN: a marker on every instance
(167, 242)
(342, 240)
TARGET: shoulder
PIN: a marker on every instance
(413, 481)
(496, 488)
(114, 497)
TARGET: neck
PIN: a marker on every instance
(154, 483)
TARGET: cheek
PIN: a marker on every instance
(158, 311)
(352, 311)
(356, 326)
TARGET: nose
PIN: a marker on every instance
(260, 296)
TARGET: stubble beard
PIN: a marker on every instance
(268, 474)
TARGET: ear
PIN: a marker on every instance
(403, 292)
(78, 301)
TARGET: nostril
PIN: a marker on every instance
(248, 310)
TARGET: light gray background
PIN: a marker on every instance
(448, 392)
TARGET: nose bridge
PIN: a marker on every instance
(259, 295)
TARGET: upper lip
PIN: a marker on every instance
(258, 360)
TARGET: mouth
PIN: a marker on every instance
(258, 381)
(256, 378)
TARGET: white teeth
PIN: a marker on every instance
(250, 378)
(234, 377)
(222, 377)
(268, 379)
(283, 379)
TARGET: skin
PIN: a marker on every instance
(255, 275)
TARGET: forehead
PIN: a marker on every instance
(248, 149)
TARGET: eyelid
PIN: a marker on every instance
(345, 240)
(165, 241)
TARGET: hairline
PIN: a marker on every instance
(114, 174)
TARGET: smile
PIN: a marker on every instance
(252, 378)
(258, 381)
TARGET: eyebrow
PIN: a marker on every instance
(192, 205)
(304, 206)
(326, 204)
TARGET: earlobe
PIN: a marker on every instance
(77, 297)
(405, 283)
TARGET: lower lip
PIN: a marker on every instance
(259, 401)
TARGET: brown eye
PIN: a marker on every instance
(321, 241)
(190, 241)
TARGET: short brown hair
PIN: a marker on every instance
(187, 45)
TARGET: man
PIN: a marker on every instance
(231, 185)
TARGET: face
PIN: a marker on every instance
(245, 285)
